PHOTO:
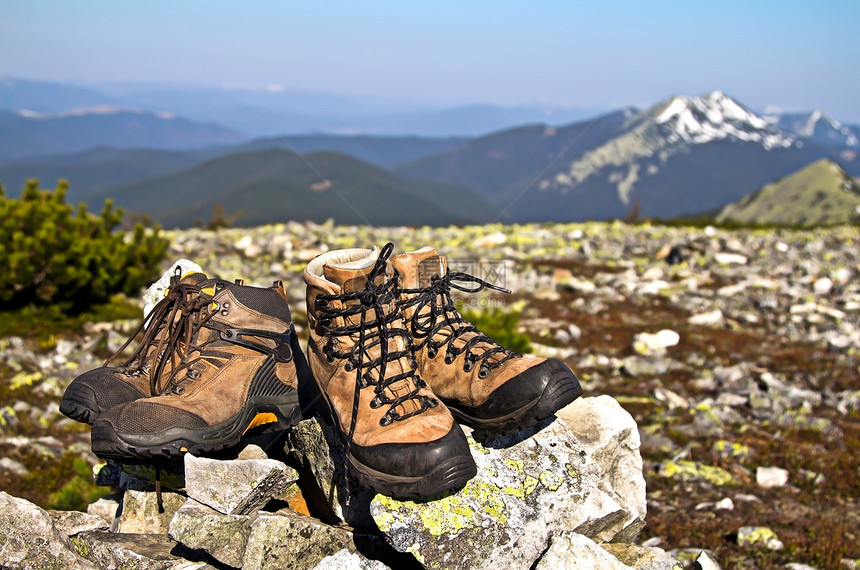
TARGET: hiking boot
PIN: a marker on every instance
(97, 390)
(400, 439)
(489, 387)
(238, 368)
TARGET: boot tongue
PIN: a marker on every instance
(350, 276)
(416, 268)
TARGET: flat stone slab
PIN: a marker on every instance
(203, 528)
(236, 486)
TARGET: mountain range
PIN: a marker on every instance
(682, 156)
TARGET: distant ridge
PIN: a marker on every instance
(275, 185)
(820, 194)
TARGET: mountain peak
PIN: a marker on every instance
(716, 116)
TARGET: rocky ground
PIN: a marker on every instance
(735, 351)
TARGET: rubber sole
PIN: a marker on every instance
(561, 389)
(77, 410)
(265, 413)
(450, 475)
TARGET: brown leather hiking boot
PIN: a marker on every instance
(100, 389)
(486, 386)
(400, 439)
(235, 364)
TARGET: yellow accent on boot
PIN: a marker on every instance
(260, 419)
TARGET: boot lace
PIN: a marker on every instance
(436, 323)
(377, 324)
(172, 324)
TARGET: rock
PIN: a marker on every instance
(142, 515)
(822, 286)
(610, 436)
(574, 551)
(29, 539)
(237, 486)
(769, 477)
(278, 540)
(705, 562)
(638, 366)
(138, 551)
(673, 400)
(653, 344)
(14, 467)
(330, 487)
(529, 486)
(691, 470)
(222, 536)
(730, 258)
(71, 523)
(797, 566)
(759, 536)
(106, 509)
(731, 450)
(346, 560)
(709, 319)
(641, 557)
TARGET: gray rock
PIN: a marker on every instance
(610, 436)
(529, 486)
(14, 467)
(238, 486)
(71, 523)
(202, 528)
(641, 557)
(142, 515)
(286, 539)
(573, 551)
(346, 560)
(29, 539)
(336, 491)
(705, 562)
(106, 509)
(138, 551)
(768, 477)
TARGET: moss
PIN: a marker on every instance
(691, 470)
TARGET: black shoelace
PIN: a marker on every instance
(377, 324)
(434, 313)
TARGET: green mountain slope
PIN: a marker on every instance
(93, 169)
(821, 193)
(275, 185)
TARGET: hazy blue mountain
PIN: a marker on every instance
(29, 134)
(275, 185)
(48, 97)
(101, 167)
(820, 128)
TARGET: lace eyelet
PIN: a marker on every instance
(483, 373)
(467, 367)
(431, 402)
(375, 403)
(348, 367)
(449, 359)
(321, 302)
(178, 390)
(385, 421)
(432, 352)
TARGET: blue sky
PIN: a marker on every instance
(788, 54)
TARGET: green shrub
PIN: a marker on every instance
(501, 326)
(52, 253)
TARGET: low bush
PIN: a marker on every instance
(54, 253)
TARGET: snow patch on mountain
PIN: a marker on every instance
(819, 127)
(91, 111)
(700, 120)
